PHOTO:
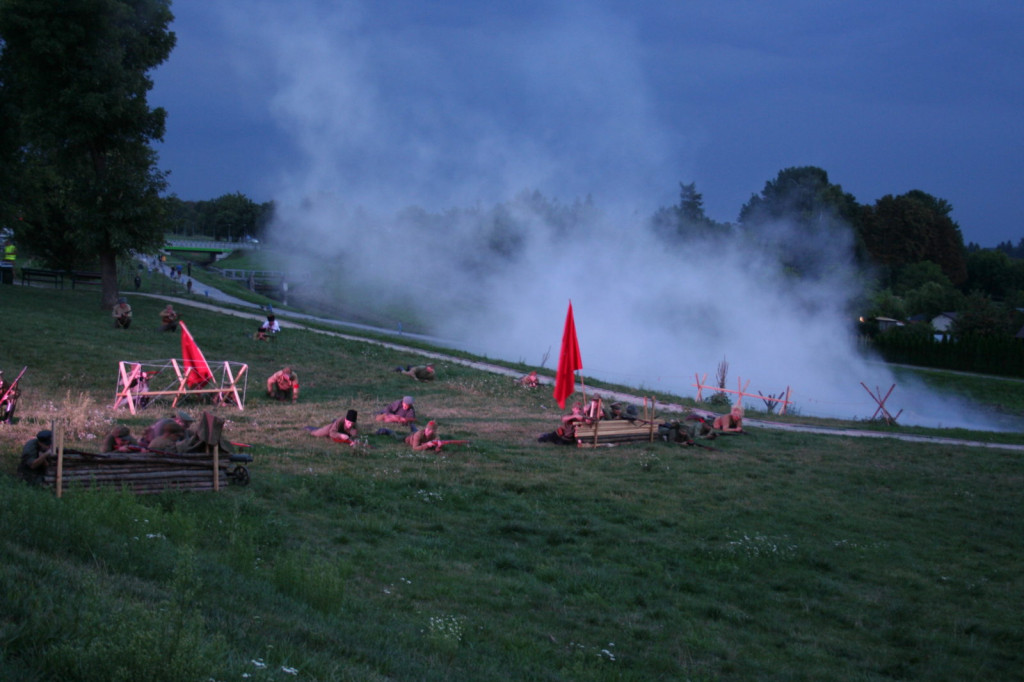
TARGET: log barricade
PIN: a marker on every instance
(140, 472)
(607, 431)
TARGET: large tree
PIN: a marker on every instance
(914, 227)
(801, 195)
(686, 218)
(82, 183)
(805, 217)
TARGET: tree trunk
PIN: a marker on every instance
(108, 271)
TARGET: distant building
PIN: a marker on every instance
(886, 323)
(942, 322)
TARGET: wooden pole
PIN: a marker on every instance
(216, 467)
(741, 392)
(651, 420)
(60, 460)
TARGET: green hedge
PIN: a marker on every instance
(1001, 356)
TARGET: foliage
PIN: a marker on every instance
(884, 303)
(995, 355)
(911, 228)
(983, 317)
(73, 82)
(808, 221)
(994, 273)
(932, 298)
(915, 275)
(231, 217)
(802, 195)
(687, 218)
(1010, 250)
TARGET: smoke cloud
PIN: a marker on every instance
(456, 120)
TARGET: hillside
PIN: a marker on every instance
(775, 555)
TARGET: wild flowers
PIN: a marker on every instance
(761, 546)
(445, 629)
(604, 653)
(428, 496)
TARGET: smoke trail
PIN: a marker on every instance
(387, 117)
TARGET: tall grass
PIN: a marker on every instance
(776, 555)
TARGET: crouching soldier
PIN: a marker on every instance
(34, 454)
(283, 385)
(122, 314)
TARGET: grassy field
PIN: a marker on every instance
(774, 556)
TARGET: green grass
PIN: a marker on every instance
(1003, 394)
(776, 556)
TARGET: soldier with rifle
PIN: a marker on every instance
(9, 393)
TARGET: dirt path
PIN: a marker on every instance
(289, 320)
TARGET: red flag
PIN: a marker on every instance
(200, 373)
(568, 362)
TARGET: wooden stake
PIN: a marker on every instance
(60, 459)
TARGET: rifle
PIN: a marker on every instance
(13, 385)
(438, 444)
(10, 397)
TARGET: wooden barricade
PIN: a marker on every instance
(741, 393)
(614, 431)
(227, 387)
(610, 431)
(139, 472)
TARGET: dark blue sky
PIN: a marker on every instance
(392, 103)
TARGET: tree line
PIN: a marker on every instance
(231, 217)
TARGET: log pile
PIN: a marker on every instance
(140, 472)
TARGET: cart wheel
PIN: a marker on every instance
(240, 475)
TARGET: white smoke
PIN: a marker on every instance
(449, 118)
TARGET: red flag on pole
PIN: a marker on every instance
(196, 368)
(568, 361)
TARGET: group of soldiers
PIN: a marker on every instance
(283, 385)
(122, 315)
(180, 433)
(174, 435)
(688, 431)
